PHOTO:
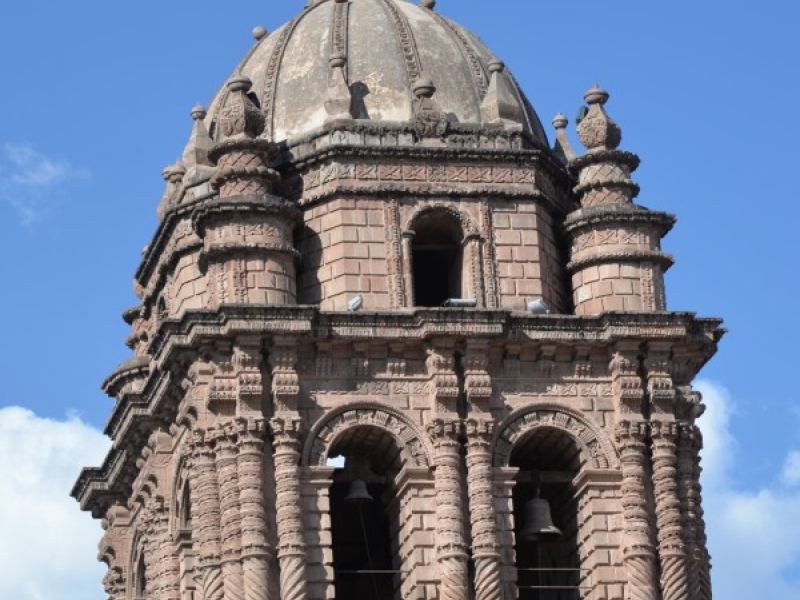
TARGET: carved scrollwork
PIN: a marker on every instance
(415, 447)
(595, 445)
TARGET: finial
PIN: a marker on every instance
(176, 171)
(199, 112)
(260, 32)
(240, 118)
(424, 88)
(429, 4)
(496, 65)
(338, 61)
(597, 130)
(562, 148)
(596, 95)
(240, 83)
(501, 103)
(338, 100)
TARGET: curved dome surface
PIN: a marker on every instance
(389, 45)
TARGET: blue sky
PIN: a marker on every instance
(96, 101)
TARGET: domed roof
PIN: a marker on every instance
(389, 45)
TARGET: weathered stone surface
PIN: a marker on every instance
(370, 161)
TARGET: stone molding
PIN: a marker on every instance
(596, 447)
(415, 446)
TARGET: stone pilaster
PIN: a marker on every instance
(451, 547)
(257, 555)
(640, 560)
(291, 541)
(206, 516)
(485, 545)
(671, 548)
(230, 527)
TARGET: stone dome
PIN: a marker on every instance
(389, 46)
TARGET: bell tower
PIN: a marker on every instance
(391, 344)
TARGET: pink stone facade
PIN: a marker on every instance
(375, 329)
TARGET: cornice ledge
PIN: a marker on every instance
(654, 256)
(619, 213)
(133, 368)
(603, 156)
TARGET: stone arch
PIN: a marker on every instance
(180, 482)
(467, 226)
(414, 446)
(595, 445)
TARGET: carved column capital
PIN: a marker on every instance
(626, 381)
(477, 381)
(479, 432)
(445, 433)
(285, 381)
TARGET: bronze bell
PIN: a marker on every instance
(539, 525)
(358, 494)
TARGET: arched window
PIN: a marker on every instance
(140, 584)
(437, 258)
(364, 514)
(185, 508)
(547, 559)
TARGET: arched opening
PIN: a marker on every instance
(364, 515)
(437, 258)
(547, 558)
(140, 586)
(185, 508)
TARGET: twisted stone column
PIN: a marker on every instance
(701, 550)
(671, 548)
(485, 545)
(291, 542)
(206, 516)
(689, 506)
(231, 533)
(639, 555)
(451, 549)
(166, 566)
(256, 553)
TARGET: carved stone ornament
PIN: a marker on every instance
(429, 120)
(597, 130)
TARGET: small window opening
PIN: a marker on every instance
(437, 259)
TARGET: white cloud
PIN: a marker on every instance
(753, 530)
(29, 180)
(791, 469)
(48, 547)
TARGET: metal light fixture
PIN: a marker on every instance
(539, 307)
(355, 304)
(460, 303)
